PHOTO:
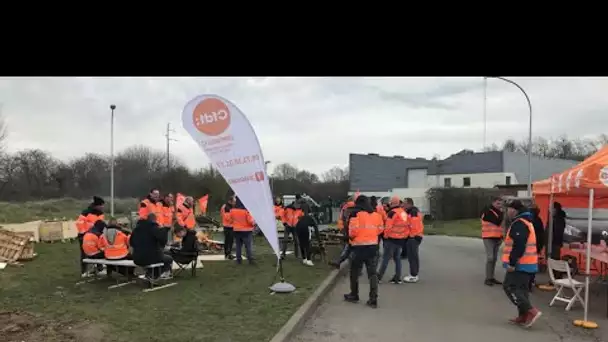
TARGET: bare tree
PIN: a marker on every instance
(3, 130)
(336, 174)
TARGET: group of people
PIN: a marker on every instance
(523, 242)
(147, 243)
(366, 225)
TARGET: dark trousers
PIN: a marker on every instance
(411, 246)
(243, 238)
(125, 271)
(228, 240)
(392, 250)
(291, 231)
(83, 266)
(167, 261)
(304, 241)
(368, 256)
(517, 288)
(345, 254)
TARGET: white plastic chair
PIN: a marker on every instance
(565, 283)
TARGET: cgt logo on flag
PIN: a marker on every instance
(259, 176)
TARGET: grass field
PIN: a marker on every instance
(225, 302)
(68, 208)
(467, 228)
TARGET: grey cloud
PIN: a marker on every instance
(311, 122)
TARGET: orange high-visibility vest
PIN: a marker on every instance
(117, 250)
(364, 229)
(185, 217)
(85, 222)
(489, 229)
(242, 221)
(529, 261)
(278, 212)
(292, 216)
(166, 216)
(416, 226)
(397, 226)
(151, 208)
(226, 220)
(90, 244)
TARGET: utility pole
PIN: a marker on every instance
(112, 108)
(485, 104)
(168, 137)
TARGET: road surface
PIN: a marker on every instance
(450, 303)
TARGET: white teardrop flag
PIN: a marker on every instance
(225, 135)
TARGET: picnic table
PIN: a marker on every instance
(602, 258)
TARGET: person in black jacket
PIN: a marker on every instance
(186, 250)
(539, 229)
(303, 232)
(148, 242)
(559, 226)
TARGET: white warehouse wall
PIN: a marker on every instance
(478, 180)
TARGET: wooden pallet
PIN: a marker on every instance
(11, 246)
(28, 250)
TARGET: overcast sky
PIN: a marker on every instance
(313, 123)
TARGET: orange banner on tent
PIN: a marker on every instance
(592, 173)
(202, 203)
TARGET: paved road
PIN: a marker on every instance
(450, 303)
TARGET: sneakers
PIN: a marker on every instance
(307, 262)
(351, 298)
(166, 275)
(372, 304)
(496, 282)
(410, 279)
(102, 272)
(518, 320)
(531, 317)
(396, 281)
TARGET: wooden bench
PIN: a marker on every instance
(152, 283)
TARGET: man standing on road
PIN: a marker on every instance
(520, 258)
(492, 235)
(364, 227)
(395, 233)
(415, 231)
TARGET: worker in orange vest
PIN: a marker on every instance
(520, 258)
(364, 227)
(151, 205)
(115, 245)
(349, 204)
(90, 243)
(292, 214)
(185, 214)
(84, 222)
(227, 224)
(279, 211)
(242, 223)
(395, 235)
(415, 232)
(345, 212)
(492, 235)
(166, 211)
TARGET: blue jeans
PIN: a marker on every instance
(243, 238)
(392, 249)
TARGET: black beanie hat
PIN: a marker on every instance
(97, 201)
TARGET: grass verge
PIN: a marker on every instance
(466, 228)
(225, 302)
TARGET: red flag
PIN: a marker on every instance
(179, 199)
(202, 203)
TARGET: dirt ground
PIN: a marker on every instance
(25, 327)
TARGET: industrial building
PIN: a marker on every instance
(381, 176)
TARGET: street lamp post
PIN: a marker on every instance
(112, 107)
(529, 131)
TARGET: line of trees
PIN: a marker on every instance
(37, 175)
(559, 148)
